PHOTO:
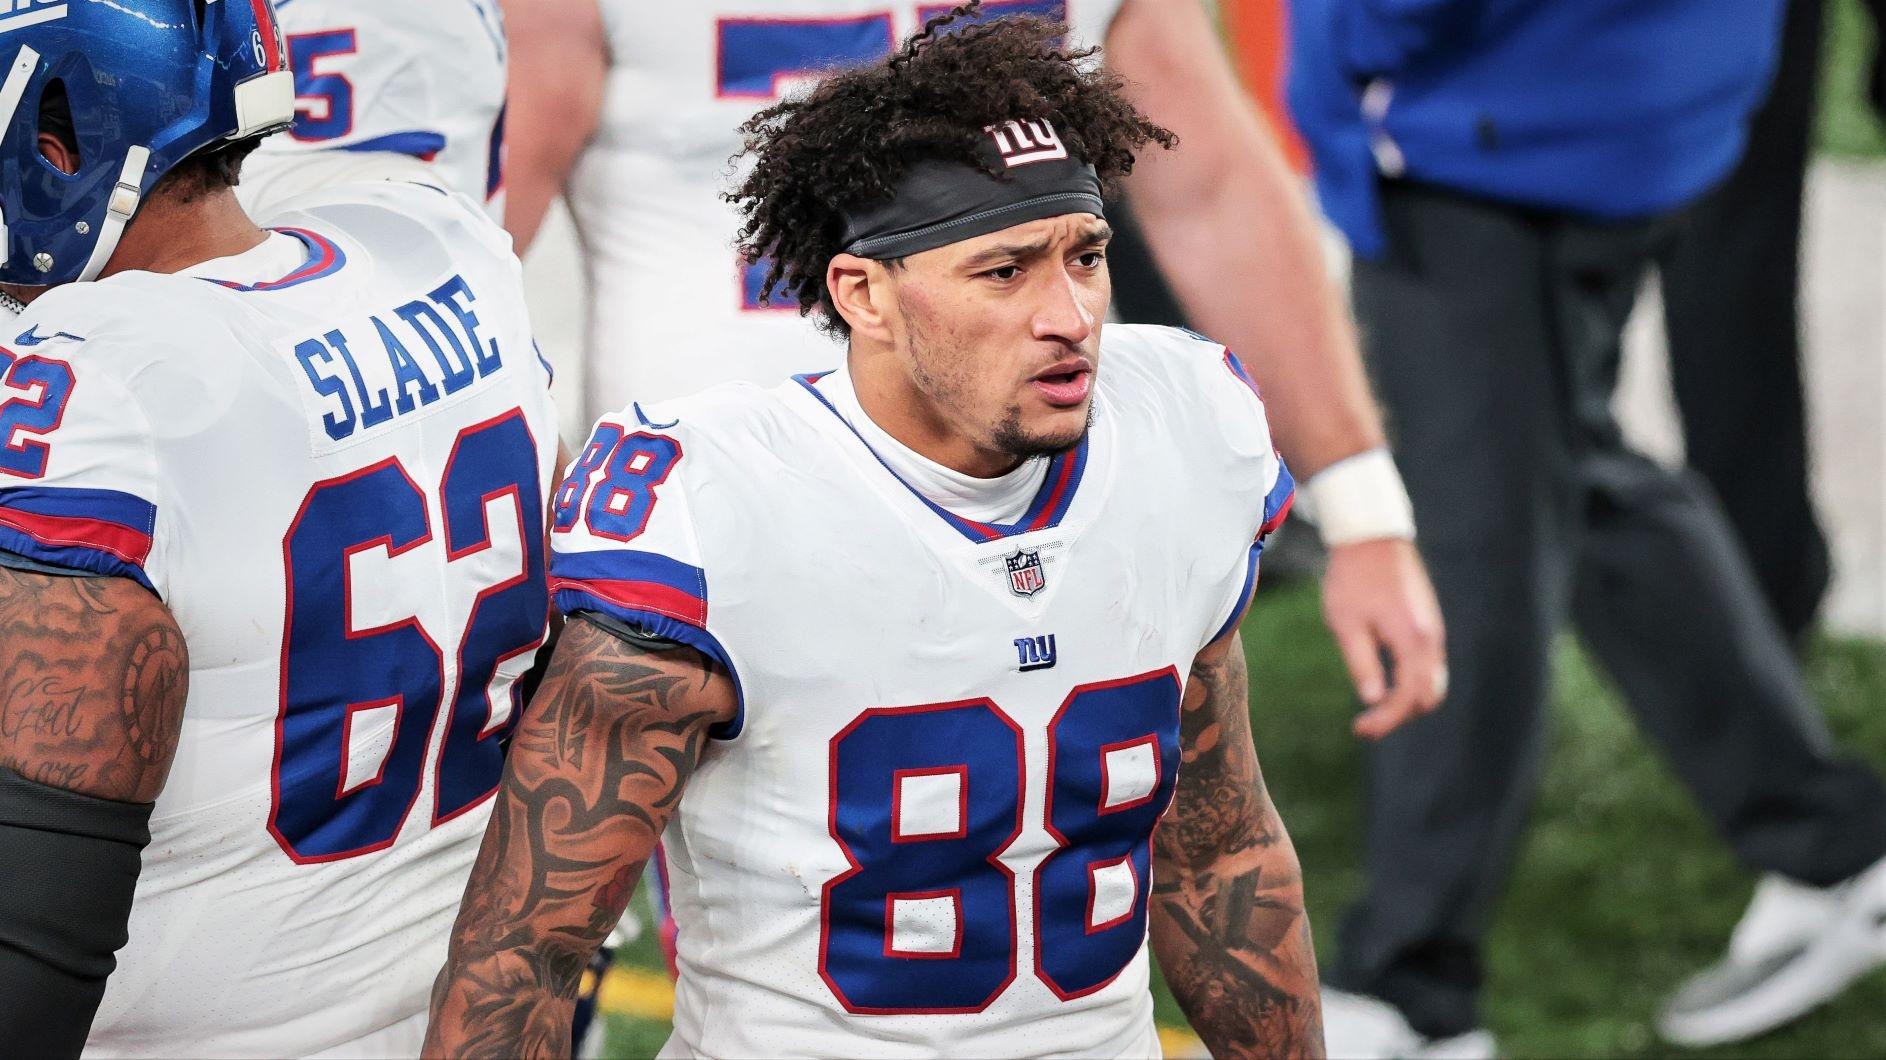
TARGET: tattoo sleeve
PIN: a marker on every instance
(1227, 916)
(93, 673)
(596, 769)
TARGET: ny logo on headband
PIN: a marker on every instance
(1024, 142)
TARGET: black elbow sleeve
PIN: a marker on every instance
(68, 867)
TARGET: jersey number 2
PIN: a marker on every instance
(334, 674)
(926, 801)
(33, 393)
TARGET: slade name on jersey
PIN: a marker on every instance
(366, 373)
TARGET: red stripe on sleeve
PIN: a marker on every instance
(642, 596)
(1283, 512)
(67, 531)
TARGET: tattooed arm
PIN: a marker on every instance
(93, 673)
(597, 766)
(1227, 917)
(92, 679)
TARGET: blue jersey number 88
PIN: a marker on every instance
(926, 800)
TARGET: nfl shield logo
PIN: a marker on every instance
(1024, 573)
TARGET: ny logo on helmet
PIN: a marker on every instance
(19, 14)
(1024, 142)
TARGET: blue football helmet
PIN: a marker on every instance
(150, 83)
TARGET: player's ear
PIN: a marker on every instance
(860, 289)
(55, 151)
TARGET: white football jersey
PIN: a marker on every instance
(929, 831)
(672, 309)
(330, 458)
(388, 88)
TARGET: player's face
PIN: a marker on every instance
(1002, 332)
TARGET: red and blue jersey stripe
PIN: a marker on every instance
(1236, 367)
(1276, 510)
(657, 594)
(422, 144)
(1277, 505)
(325, 258)
(96, 531)
(1244, 595)
(642, 581)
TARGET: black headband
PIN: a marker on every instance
(940, 203)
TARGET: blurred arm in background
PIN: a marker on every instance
(1229, 226)
(559, 61)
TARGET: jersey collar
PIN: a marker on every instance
(1050, 505)
(322, 258)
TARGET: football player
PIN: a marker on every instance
(412, 90)
(907, 663)
(271, 555)
(629, 107)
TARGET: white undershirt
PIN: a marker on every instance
(1004, 499)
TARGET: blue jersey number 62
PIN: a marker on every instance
(341, 679)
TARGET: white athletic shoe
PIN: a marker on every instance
(1358, 1027)
(1795, 948)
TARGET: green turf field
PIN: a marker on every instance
(1848, 125)
(1620, 889)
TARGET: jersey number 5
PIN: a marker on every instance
(339, 671)
(330, 92)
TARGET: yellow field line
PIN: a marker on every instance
(646, 995)
(1180, 1044)
(637, 993)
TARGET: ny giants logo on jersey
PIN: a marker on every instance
(1023, 143)
(19, 14)
(1025, 575)
(1035, 653)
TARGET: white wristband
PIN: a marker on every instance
(1358, 498)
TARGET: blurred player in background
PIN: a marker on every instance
(271, 556)
(1731, 283)
(911, 635)
(388, 90)
(1505, 190)
(630, 108)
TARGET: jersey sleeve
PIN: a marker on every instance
(623, 542)
(79, 489)
(1258, 472)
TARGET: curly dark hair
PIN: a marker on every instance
(847, 144)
